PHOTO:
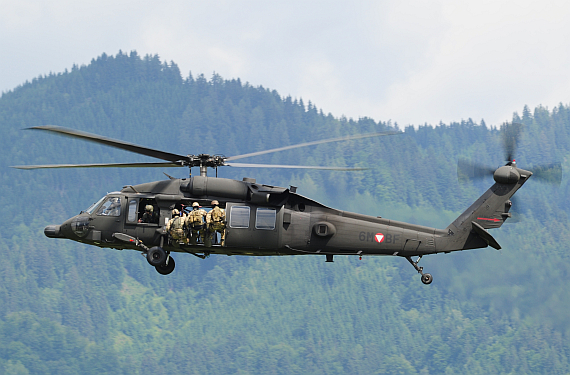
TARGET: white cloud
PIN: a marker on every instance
(494, 58)
(410, 61)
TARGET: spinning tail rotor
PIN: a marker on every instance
(509, 173)
(469, 170)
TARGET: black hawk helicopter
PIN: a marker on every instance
(264, 220)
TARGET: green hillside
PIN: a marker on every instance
(66, 308)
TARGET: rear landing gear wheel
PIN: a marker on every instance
(427, 278)
(166, 268)
(156, 256)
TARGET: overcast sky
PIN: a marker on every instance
(411, 62)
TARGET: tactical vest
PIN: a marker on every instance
(196, 217)
(217, 215)
(177, 224)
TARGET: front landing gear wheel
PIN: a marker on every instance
(156, 256)
(166, 268)
(427, 278)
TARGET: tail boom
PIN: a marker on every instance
(469, 230)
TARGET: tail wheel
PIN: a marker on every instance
(426, 277)
(166, 268)
(156, 256)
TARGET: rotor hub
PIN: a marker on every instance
(205, 160)
(507, 175)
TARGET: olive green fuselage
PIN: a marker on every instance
(267, 220)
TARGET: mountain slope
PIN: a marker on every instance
(82, 309)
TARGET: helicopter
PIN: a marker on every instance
(266, 220)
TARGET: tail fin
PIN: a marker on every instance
(491, 210)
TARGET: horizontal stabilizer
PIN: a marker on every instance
(486, 236)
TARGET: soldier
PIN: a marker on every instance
(149, 215)
(196, 222)
(177, 227)
(216, 222)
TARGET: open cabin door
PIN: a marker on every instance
(251, 226)
(135, 224)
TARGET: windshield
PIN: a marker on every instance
(94, 206)
(111, 207)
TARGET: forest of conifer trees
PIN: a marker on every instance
(66, 308)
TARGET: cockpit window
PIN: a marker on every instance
(94, 206)
(111, 207)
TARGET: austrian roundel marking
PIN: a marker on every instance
(379, 237)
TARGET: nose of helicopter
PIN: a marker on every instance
(53, 231)
(77, 226)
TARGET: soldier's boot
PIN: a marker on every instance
(175, 242)
(223, 238)
(193, 238)
(208, 239)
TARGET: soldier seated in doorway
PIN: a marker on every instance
(176, 227)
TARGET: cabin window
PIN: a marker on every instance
(111, 207)
(132, 215)
(148, 211)
(239, 217)
(265, 218)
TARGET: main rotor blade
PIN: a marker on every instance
(345, 138)
(102, 165)
(111, 142)
(511, 135)
(549, 173)
(242, 165)
(472, 171)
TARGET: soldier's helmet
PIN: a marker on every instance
(195, 204)
(149, 208)
(215, 203)
(175, 212)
